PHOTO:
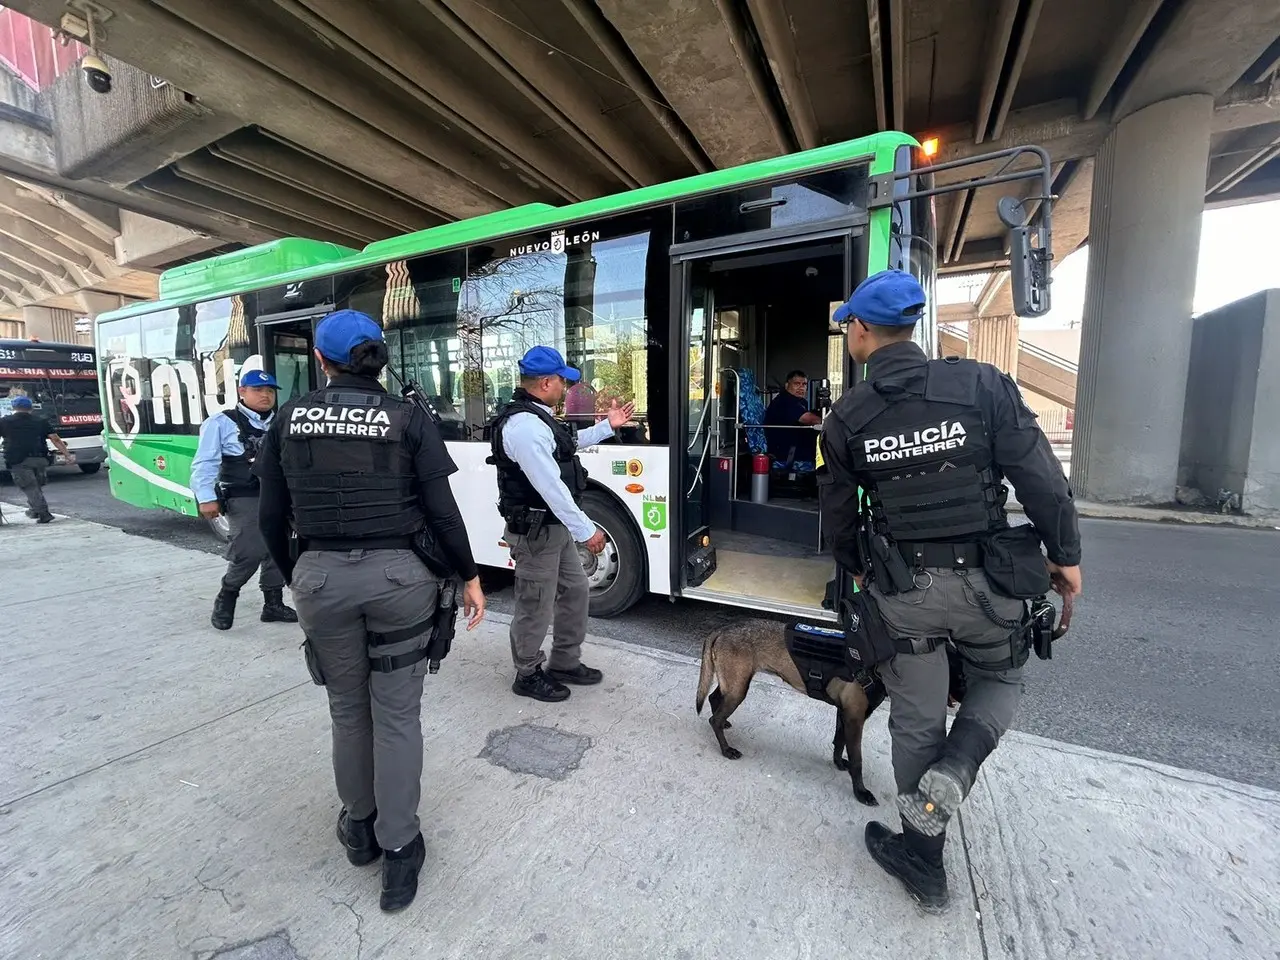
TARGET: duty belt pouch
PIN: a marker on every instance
(1014, 564)
(867, 639)
(313, 662)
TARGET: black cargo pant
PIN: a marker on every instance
(342, 596)
(247, 552)
(918, 683)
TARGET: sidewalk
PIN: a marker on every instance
(166, 793)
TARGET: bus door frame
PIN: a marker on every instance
(853, 229)
(266, 341)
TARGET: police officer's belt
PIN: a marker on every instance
(918, 644)
(961, 556)
(325, 544)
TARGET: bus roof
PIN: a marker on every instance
(295, 259)
(28, 343)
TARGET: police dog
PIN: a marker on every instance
(735, 654)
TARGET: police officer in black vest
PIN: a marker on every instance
(930, 442)
(540, 487)
(224, 485)
(360, 472)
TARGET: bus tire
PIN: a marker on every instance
(221, 528)
(90, 467)
(617, 575)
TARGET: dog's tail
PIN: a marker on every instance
(708, 672)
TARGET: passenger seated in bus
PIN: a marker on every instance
(790, 409)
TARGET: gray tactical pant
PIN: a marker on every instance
(550, 584)
(30, 475)
(341, 597)
(247, 551)
(918, 683)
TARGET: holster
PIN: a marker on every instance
(313, 662)
(443, 625)
(1042, 618)
(888, 568)
(429, 551)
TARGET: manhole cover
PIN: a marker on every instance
(541, 751)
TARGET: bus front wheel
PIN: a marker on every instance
(617, 574)
(221, 528)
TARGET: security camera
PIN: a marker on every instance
(96, 74)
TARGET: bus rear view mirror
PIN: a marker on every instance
(1028, 264)
(1028, 275)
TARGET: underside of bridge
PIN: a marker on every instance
(246, 120)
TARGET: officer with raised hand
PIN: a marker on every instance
(223, 483)
(930, 442)
(360, 473)
(540, 487)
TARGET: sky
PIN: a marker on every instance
(1239, 255)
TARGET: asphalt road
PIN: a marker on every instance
(1171, 657)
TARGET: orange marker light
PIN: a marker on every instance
(930, 147)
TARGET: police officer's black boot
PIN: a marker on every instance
(400, 874)
(358, 839)
(945, 784)
(224, 609)
(274, 610)
(914, 859)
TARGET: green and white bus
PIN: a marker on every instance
(694, 298)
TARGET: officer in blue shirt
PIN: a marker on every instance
(540, 487)
(223, 482)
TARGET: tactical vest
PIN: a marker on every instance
(349, 470)
(25, 433)
(925, 460)
(235, 476)
(516, 494)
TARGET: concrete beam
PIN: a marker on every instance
(147, 243)
(1243, 153)
(398, 58)
(269, 158)
(43, 242)
(168, 184)
(240, 30)
(94, 302)
(22, 201)
(18, 272)
(888, 62)
(1266, 66)
(688, 51)
(216, 174)
(620, 57)
(549, 83)
(778, 39)
(228, 79)
(1205, 48)
(1011, 42)
(19, 252)
(1123, 43)
(1263, 185)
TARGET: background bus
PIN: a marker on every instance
(694, 298)
(62, 381)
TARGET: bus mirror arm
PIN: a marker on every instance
(410, 390)
(1030, 238)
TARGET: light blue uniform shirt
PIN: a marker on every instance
(531, 444)
(219, 436)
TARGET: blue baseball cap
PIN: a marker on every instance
(890, 298)
(546, 362)
(341, 330)
(258, 378)
(22, 403)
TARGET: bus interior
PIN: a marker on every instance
(762, 337)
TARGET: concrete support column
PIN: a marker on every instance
(1144, 246)
(995, 340)
(49, 323)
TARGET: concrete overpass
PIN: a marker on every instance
(251, 119)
